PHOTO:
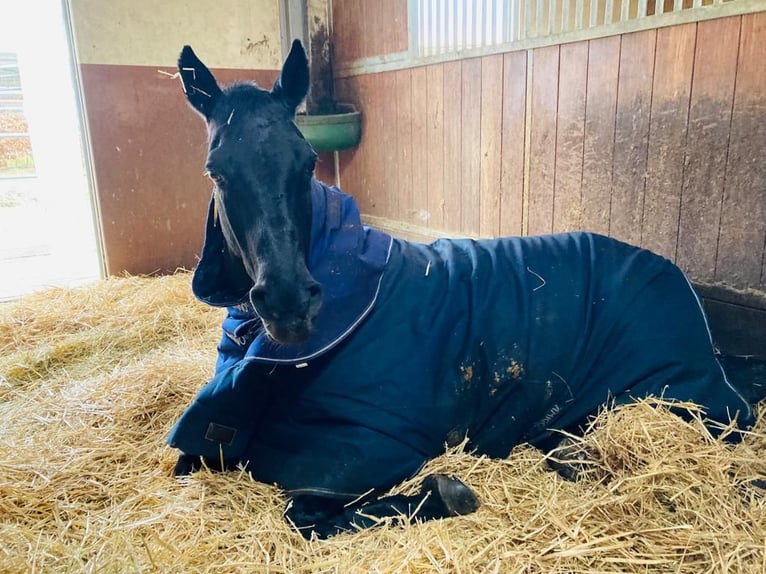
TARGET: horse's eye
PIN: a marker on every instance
(216, 178)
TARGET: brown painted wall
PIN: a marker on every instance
(147, 145)
(149, 148)
(655, 137)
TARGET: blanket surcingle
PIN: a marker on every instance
(417, 345)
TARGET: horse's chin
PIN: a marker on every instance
(288, 335)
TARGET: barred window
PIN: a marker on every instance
(447, 26)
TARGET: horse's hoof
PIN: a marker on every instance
(571, 460)
(186, 464)
(458, 498)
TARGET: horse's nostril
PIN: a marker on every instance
(315, 295)
(275, 304)
(258, 298)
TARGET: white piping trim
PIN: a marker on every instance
(339, 338)
(710, 337)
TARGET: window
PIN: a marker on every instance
(448, 26)
(15, 145)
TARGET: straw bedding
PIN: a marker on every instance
(92, 379)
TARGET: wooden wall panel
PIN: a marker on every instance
(542, 150)
(392, 16)
(453, 149)
(712, 95)
(404, 167)
(740, 257)
(370, 172)
(491, 145)
(325, 168)
(388, 202)
(435, 146)
(634, 96)
(570, 126)
(364, 28)
(656, 138)
(667, 138)
(512, 156)
(353, 162)
(598, 152)
(369, 183)
(344, 30)
(471, 146)
(419, 147)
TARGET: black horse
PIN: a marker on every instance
(349, 358)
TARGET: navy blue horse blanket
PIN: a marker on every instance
(500, 340)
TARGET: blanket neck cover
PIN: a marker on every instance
(346, 258)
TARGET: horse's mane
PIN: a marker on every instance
(244, 87)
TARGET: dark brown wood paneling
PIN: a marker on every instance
(435, 145)
(349, 36)
(325, 168)
(542, 147)
(392, 16)
(715, 66)
(512, 157)
(350, 161)
(388, 193)
(453, 86)
(353, 163)
(404, 165)
(363, 28)
(631, 135)
(742, 242)
(491, 144)
(598, 152)
(377, 134)
(471, 151)
(419, 147)
(650, 165)
(667, 138)
(148, 151)
(567, 208)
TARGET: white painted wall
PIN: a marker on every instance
(230, 33)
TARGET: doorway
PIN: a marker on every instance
(48, 223)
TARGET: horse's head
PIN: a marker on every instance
(262, 168)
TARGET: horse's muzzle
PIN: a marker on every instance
(287, 315)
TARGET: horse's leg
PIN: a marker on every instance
(440, 496)
(571, 459)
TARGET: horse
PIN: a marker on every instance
(349, 358)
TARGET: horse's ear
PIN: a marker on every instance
(199, 85)
(293, 82)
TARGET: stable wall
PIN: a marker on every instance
(148, 147)
(654, 137)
